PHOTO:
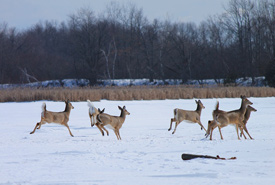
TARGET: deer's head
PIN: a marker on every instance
(199, 103)
(123, 110)
(245, 101)
(68, 105)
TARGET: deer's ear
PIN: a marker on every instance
(124, 107)
(196, 101)
(119, 108)
(102, 111)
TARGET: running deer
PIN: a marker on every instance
(249, 109)
(234, 117)
(93, 112)
(212, 124)
(113, 122)
(61, 118)
(189, 116)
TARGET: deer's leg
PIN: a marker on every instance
(177, 123)
(40, 124)
(202, 127)
(118, 134)
(36, 126)
(66, 125)
(247, 132)
(105, 130)
(241, 128)
(115, 133)
(99, 128)
(242, 133)
(220, 132)
(172, 120)
(211, 132)
(237, 130)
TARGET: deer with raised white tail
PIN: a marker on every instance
(93, 112)
(189, 116)
(113, 122)
(61, 118)
(235, 117)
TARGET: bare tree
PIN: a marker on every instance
(112, 46)
(27, 76)
(88, 38)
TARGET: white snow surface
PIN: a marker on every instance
(147, 153)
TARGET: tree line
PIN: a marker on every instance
(122, 43)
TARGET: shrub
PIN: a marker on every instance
(131, 93)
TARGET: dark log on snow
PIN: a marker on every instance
(193, 156)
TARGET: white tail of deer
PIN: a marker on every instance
(113, 122)
(61, 118)
(191, 116)
(93, 112)
(235, 117)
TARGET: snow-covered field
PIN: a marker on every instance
(147, 153)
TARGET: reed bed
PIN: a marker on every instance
(131, 93)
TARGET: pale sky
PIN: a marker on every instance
(23, 14)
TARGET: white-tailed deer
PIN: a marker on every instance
(61, 118)
(93, 112)
(113, 122)
(234, 117)
(189, 116)
(212, 124)
(248, 111)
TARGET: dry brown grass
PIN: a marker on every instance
(131, 93)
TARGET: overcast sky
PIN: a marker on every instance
(23, 14)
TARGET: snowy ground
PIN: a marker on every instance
(147, 153)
